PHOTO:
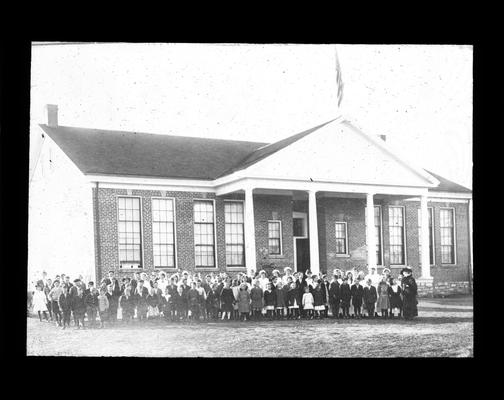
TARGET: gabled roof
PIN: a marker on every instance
(123, 153)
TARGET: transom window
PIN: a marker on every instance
(163, 233)
(431, 236)
(275, 237)
(204, 238)
(129, 230)
(447, 235)
(341, 237)
(396, 233)
(235, 248)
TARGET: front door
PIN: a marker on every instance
(302, 254)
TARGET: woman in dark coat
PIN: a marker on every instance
(345, 296)
(409, 288)
(395, 295)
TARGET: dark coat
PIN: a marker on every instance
(227, 299)
(410, 301)
(212, 300)
(65, 303)
(140, 299)
(294, 294)
(153, 300)
(269, 298)
(256, 295)
(318, 296)
(78, 304)
(134, 285)
(395, 297)
(357, 295)
(172, 289)
(113, 301)
(334, 292)
(193, 297)
(370, 295)
(126, 304)
(91, 299)
(280, 298)
(345, 294)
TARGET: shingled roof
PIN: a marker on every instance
(107, 152)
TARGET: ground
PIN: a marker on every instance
(444, 328)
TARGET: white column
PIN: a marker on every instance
(250, 248)
(424, 229)
(471, 233)
(312, 221)
(370, 234)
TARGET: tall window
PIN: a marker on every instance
(431, 236)
(341, 238)
(204, 240)
(163, 233)
(275, 237)
(378, 234)
(235, 249)
(130, 238)
(447, 233)
(396, 233)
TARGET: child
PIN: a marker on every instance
(269, 301)
(308, 303)
(201, 298)
(103, 306)
(334, 295)
(40, 303)
(293, 301)
(370, 297)
(54, 296)
(79, 308)
(153, 303)
(256, 295)
(212, 302)
(47, 288)
(166, 303)
(113, 303)
(126, 304)
(280, 300)
(318, 298)
(227, 300)
(345, 296)
(193, 297)
(65, 305)
(395, 293)
(383, 297)
(91, 301)
(357, 292)
(244, 301)
(140, 299)
(178, 302)
(236, 290)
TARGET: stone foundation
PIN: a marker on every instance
(442, 289)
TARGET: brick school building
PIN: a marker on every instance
(328, 197)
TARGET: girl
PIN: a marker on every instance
(383, 297)
(395, 293)
(40, 303)
(244, 301)
(125, 302)
(269, 301)
(236, 291)
(79, 308)
(280, 300)
(153, 304)
(227, 300)
(103, 306)
(293, 301)
(54, 296)
(318, 299)
(308, 303)
(345, 296)
(256, 295)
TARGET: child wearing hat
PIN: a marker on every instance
(307, 303)
(318, 298)
(395, 296)
(269, 300)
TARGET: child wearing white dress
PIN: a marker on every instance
(307, 303)
(40, 303)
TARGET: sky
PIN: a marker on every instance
(420, 96)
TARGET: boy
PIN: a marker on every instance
(370, 296)
(103, 306)
(79, 308)
(91, 300)
(193, 298)
(65, 304)
(345, 296)
(334, 295)
(54, 296)
(357, 293)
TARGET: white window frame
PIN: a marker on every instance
(235, 267)
(433, 250)
(405, 244)
(454, 214)
(174, 200)
(281, 238)
(346, 238)
(117, 196)
(216, 258)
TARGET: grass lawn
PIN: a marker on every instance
(444, 328)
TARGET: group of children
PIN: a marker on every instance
(184, 296)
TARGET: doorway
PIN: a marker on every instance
(301, 241)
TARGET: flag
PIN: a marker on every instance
(339, 81)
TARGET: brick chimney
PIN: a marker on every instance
(52, 115)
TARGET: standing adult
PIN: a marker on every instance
(409, 288)
(334, 295)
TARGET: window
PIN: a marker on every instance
(447, 233)
(431, 236)
(341, 237)
(275, 237)
(235, 249)
(396, 233)
(130, 238)
(378, 234)
(204, 239)
(163, 233)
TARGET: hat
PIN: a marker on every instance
(406, 269)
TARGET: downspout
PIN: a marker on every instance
(97, 235)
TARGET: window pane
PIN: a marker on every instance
(396, 234)
(204, 234)
(129, 229)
